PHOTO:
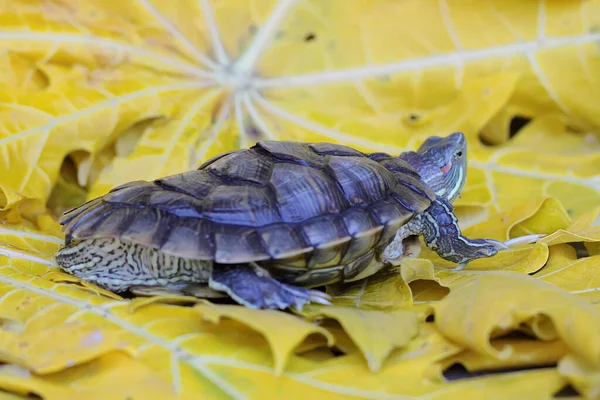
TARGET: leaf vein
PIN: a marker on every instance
(98, 106)
(106, 43)
(373, 71)
(178, 35)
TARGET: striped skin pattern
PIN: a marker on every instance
(117, 265)
(442, 234)
(265, 224)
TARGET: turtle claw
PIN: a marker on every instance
(460, 267)
(527, 239)
(498, 245)
(506, 245)
(319, 297)
(289, 295)
(304, 296)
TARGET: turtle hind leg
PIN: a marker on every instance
(442, 234)
(252, 287)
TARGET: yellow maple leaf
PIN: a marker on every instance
(581, 375)
(97, 93)
(375, 333)
(109, 376)
(504, 301)
(221, 76)
(527, 353)
(184, 350)
(578, 276)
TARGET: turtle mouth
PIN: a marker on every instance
(446, 168)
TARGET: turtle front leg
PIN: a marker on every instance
(253, 287)
(441, 232)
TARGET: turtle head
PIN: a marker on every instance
(442, 164)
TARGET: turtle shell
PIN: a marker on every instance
(295, 205)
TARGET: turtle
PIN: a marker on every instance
(271, 224)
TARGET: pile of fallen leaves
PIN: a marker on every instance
(97, 93)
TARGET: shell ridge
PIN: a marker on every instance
(416, 189)
(398, 165)
(171, 188)
(231, 181)
(213, 159)
(68, 216)
(97, 219)
(263, 244)
(327, 170)
(404, 203)
(272, 193)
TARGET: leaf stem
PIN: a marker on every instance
(245, 64)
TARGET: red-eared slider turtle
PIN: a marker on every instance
(268, 223)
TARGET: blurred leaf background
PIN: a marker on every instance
(97, 93)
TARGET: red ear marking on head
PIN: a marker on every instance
(446, 168)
